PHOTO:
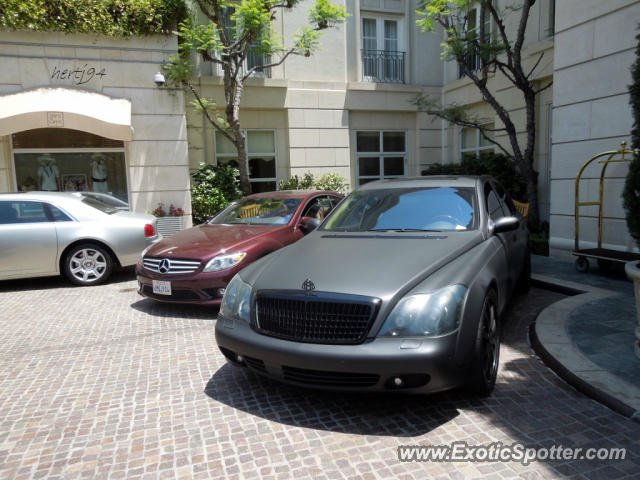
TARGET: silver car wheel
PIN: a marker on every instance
(88, 265)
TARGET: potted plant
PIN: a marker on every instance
(631, 193)
(171, 221)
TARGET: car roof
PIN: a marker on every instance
(39, 195)
(427, 181)
(290, 194)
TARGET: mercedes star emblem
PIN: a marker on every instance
(165, 265)
(308, 286)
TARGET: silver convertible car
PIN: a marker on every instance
(400, 288)
(81, 235)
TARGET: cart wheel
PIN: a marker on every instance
(604, 265)
(582, 265)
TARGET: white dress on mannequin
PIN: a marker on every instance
(49, 174)
(99, 176)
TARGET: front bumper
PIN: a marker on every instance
(193, 288)
(422, 365)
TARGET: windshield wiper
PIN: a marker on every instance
(401, 230)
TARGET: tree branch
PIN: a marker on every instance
(536, 92)
(269, 65)
(205, 110)
(535, 66)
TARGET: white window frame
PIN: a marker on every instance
(478, 148)
(381, 155)
(380, 19)
(478, 19)
(231, 156)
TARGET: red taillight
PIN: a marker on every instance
(149, 231)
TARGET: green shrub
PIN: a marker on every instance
(497, 165)
(332, 182)
(329, 181)
(213, 187)
(631, 192)
(108, 17)
(297, 183)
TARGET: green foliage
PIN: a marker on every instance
(460, 41)
(499, 166)
(330, 181)
(213, 187)
(631, 192)
(107, 17)
(297, 183)
(325, 14)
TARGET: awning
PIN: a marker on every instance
(57, 107)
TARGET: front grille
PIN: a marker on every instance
(176, 295)
(173, 266)
(329, 379)
(321, 318)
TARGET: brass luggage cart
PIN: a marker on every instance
(604, 256)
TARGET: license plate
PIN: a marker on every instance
(161, 287)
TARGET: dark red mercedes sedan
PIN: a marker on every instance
(195, 265)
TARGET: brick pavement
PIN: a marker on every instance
(100, 383)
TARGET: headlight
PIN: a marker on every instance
(224, 261)
(426, 315)
(236, 302)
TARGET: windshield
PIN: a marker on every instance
(406, 209)
(259, 211)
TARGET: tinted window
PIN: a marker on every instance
(493, 204)
(22, 212)
(426, 209)
(318, 207)
(58, 215)
(505, 200)
(259, 211)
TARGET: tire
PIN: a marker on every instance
(524, 280)
(582, 265)
(87, 264)
(487, 349)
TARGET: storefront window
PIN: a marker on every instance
(69, 160)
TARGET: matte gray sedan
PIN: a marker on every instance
(401, 288)
(80, 235)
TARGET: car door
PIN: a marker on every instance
(28, 241)
(519, 238)
(495, 212)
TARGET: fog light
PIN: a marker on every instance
(221, 291)
(239, 358)
(398, 382)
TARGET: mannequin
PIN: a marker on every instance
(99, 173)
(49, 174)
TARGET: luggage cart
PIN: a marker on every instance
(604, 256)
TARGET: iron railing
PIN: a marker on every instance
(383, 66)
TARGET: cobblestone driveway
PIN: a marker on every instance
(99, 383)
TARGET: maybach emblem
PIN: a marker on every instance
(308, 286)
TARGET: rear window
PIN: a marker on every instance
(99, 205)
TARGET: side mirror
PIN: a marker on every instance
(504, 224)
(308, 224)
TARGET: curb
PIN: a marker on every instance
(556, 350)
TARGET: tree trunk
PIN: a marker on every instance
(245, 184)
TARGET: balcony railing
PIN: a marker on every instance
(383, 66)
